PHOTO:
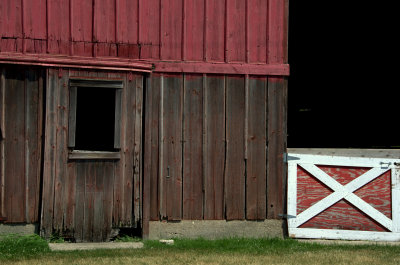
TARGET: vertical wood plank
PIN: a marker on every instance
(171, 30)
(128, 121)
(119, 180)
(257, 30)
(236, 31)
(98, 203)
(147, 157)
(2, 144)
(214, 148)
(127, 21)
(58, 27)
(72, 200)
(23, 27)
(246, 115)
(3, 103)
(89, 217)
(285, 31)
(149, 28)
(104, 27)
(15, 182)
(34, 13)
(161, 140)
(194, 37)
(276, 173)
(171, 173)
(257, 141)
(104, 20)
(108, 180)
(192, 151)
(79, 213)
(128, 166)
(33, 146)
(151, 159)
(52, 93)
(183, 38)
(11, 28)
(127, 16)
(66, 169)
(215, 30)
(82, 27)
(137, 147)
(119, 175)
(71, 22)
(73, 93)
(61, 150)
(235, 162)
(277, 31)
(117, 119)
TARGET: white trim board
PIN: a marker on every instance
(312, 233)
(342, 160)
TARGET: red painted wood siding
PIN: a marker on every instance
(244, 31)
(343, 215)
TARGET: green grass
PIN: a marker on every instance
(16, 246)
(126, 238)
(34, 250)
(261, 246)
(56, 238)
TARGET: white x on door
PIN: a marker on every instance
(304, 214)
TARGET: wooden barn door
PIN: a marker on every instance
(343, 197)
(92, 168)
(21, 110)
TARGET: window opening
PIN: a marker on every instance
(95, 119)
(95, 116)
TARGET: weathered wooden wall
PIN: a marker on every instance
(187, 30)
(215, 110)
(21, 97)
(214, 147)
(84, 199)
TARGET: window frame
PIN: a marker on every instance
(74, 84)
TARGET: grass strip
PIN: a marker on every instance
(22, 246)
(34, 250)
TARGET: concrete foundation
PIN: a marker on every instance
(21, 229)
(92, 246)
(215, 229)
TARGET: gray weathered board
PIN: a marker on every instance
(21, 91)
(214, 147)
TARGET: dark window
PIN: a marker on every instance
(95, 119)
(95, 111)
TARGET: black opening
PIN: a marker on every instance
(95, 119)
(340, 89)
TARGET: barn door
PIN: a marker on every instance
(92, 169)
(339, 197)
(21, 109)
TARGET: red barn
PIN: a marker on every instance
(168, 117)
